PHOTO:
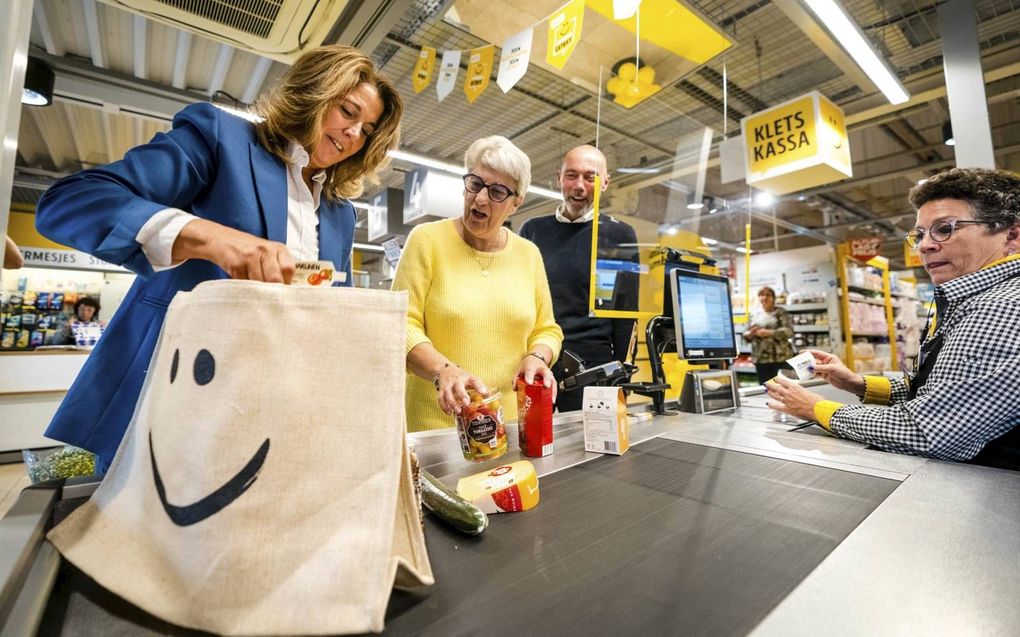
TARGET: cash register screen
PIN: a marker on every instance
(702, 315)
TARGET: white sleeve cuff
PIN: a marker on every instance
(158, 234)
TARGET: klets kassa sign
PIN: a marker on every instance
(798, 144)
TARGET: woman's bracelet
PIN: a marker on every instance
(538, 356)
(435, 378)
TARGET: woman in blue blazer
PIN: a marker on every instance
(222, 194)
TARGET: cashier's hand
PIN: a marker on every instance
(453, 383)
(833, 371)
(532, 367)
(789, 397)
(239, 254)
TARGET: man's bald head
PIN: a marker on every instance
(576, 178)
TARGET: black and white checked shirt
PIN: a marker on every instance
(972, 395)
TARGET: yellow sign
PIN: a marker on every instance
(662, 20)
(423, 69)
(865, 249)
(478, 70)
(796, 145)
(781, 135)
(911, 257)
(564, 33)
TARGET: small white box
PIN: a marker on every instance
(606, 426)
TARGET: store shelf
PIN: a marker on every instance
(857, 288)
(871, 334)
(804, 329)
(867, 301)
(905, 296)
(806, 307)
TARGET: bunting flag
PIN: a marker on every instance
(513, 62)
(478, 70)
(623, 9)
(423, 69)
(564, 33)
(448, 71)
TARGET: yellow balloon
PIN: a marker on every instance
(614, 85)
(646, 75)
(627, 72)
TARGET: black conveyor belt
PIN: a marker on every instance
(671, 538)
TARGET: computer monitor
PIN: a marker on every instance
(702, 315)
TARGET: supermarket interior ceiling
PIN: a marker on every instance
(122, 71)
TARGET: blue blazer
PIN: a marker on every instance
(209, 164)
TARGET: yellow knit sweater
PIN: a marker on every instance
(484, 324)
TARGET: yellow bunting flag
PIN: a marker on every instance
(564, 33)
(423, 69)
(479, 69)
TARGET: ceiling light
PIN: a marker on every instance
(643, 168)
(709, 242)
(764, 199)
(454, 169)
(39, 78)
(695, 206)
(852, 39)
(947, 134)
(362, 205)
(741, 249)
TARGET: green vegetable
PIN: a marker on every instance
(63, 463)
(450, 507)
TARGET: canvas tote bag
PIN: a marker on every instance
(263, 485)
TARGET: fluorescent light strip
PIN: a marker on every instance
(852, 39)
(453, 169)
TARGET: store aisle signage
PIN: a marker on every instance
(66, 260)
(479, 69)
(423, 69)
(378, 209)
(798, 144)
(431, 195)
(911, 257)
(865, 248)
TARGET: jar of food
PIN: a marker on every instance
(480, 427)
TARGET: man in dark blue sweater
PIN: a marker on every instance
(564, 240)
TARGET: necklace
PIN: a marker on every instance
(485, 263)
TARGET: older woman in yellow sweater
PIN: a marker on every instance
(479, 310)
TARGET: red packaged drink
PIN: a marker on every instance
(534, 418)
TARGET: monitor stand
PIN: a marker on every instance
(658, 335)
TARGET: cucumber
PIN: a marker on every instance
(450, 507)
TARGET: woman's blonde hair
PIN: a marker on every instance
(294, 110)
(501, 155)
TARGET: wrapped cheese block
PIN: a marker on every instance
(510, 487)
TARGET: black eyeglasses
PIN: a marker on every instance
(497, 192)
(939, 232)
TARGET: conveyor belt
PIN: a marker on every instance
(670, 538)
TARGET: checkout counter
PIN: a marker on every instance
(710, 524)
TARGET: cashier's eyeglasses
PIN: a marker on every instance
(939, 232)
(497, 192)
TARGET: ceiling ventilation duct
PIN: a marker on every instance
(277, 29)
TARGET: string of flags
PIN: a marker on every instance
(563, 34)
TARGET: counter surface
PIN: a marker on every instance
(709, 524)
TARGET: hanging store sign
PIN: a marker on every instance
(798, 144)
(911, 257)
(65, 260)
(479, 69)
(423, 69)
(448, 71)
(865, 248)
(513, 63)
(564, 33)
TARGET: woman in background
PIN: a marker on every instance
(479, 310)
(84, 328)
(769, 333)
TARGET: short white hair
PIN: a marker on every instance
(501, 155)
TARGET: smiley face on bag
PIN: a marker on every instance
(203, 371)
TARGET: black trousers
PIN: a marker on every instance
(768, 371)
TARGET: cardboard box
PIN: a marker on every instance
(606, 425)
